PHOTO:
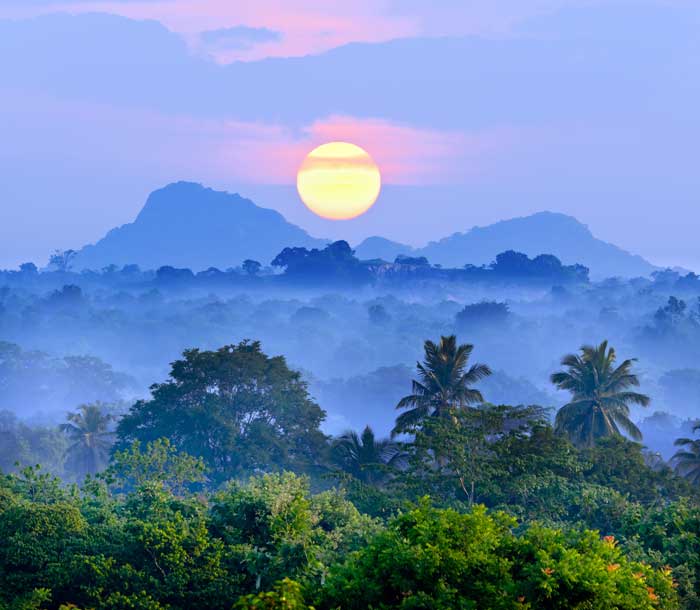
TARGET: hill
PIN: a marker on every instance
(542, 233)
(187, 225)
(380, 247)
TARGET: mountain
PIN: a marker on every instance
(380, 247)
(541, 233)
(187, 225)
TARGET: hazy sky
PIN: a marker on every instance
(475, 111)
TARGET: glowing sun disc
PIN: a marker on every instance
(339, 181)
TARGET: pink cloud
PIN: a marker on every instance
(404, 154)
(308, 26)
(181, 146)
(313, 26)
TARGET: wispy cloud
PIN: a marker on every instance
(239, 37)
(215, 150)
(300, 27)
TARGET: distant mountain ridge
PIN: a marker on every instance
(542, 233)
(188, 225)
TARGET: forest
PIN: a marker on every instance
(335, 433)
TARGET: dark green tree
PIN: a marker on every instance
(687, 460)
(365, 457)
(600, 395)
(453, 458)
(90, 437)
(443, 385)
(236, 408)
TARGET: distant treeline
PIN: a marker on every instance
(336, 264)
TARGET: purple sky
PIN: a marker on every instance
(474, 111)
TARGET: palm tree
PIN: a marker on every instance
(688, 460)
(444, 384)
(365, 457)
(88, 431)
(600, 395)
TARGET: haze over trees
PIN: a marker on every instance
(260, 468)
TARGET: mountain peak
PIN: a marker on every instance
(179, 198)
(189, 225)
(542, 233)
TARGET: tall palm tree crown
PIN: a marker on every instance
(365, 457)
(88, 429)
(687, 460)
(444, 384)
(600, 395)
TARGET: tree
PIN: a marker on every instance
(286, 595)
(62, 260)
(336, 263)
(28, 269)
(687, 460)
(251, 267)
(451, 457)
(600, 395)
(443, 385)
(274, 528)
(91, 439)
(159, 463)
(365, 457)
(236, 408)
(486, 313)
(443, 559)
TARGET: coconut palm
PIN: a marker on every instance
(600, 395)
(365, 457)
(687, 460)
(91, 439)
(443, 384)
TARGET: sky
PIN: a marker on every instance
(474, 111)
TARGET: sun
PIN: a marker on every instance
(339, 181)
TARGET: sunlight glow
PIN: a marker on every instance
(339, 181)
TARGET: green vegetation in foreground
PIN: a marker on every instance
(221, 492)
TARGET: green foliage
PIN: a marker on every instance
(668, 536)
(444, 384)
(275, 530)
(37, 539)
(687, 459)
(149, 533)
(34, 600)
(90, 439)
(23, 445)
(366, 458)
(620, 465)
(160, 462)
(236, 408)
(442, 559)
(455, 456)
(287, 595)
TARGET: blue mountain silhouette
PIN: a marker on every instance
(542, 233)
(187, 225)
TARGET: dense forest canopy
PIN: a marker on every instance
(321, 434)
(470, 503)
